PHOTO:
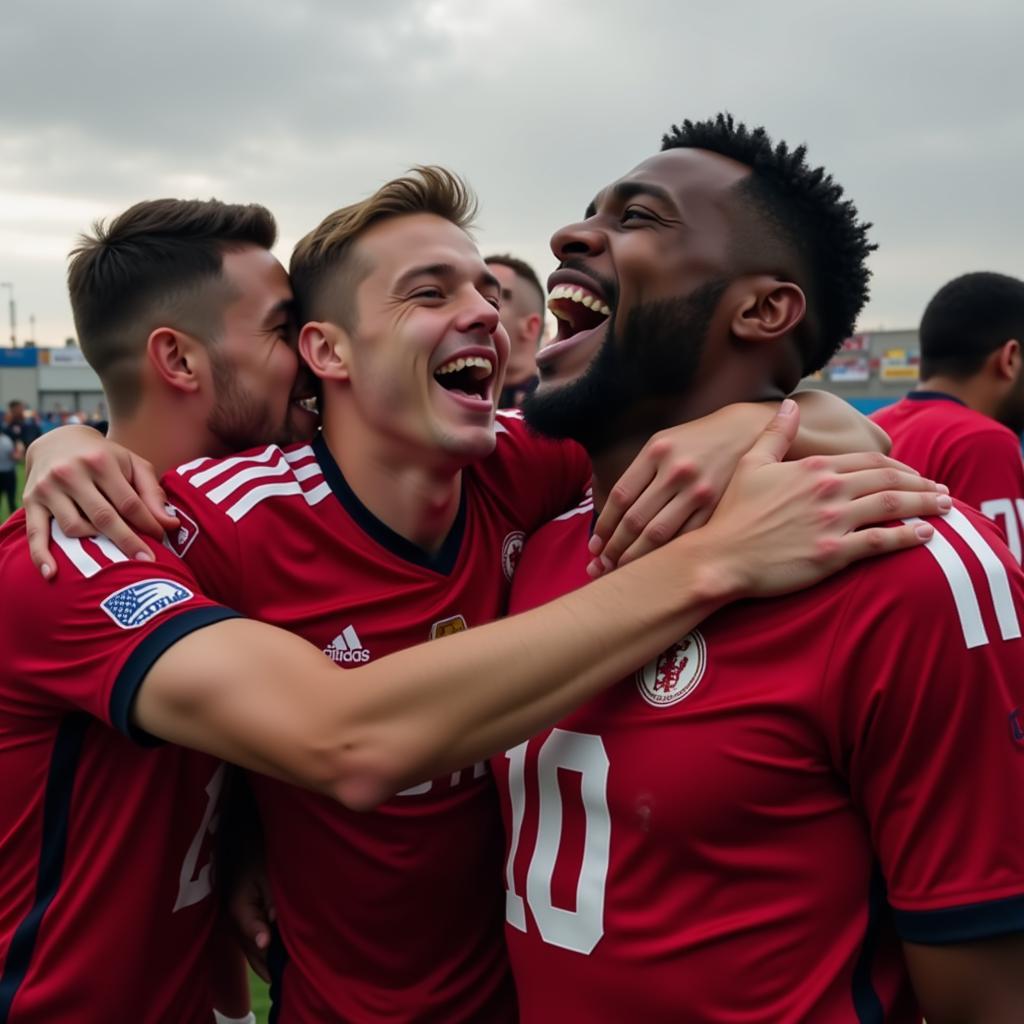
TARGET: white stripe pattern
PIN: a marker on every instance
(72, 547)
(995, 573)
(584, 508)
(108, 548)
(962, 586)
(258, 494)
(225, 464)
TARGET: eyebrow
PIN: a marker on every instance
(441, 270)
(626, 190)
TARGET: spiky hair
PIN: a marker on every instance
(803, 208)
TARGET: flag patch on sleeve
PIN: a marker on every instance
(133, 606)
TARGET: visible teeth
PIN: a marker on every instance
(476, 362)
(574, 294)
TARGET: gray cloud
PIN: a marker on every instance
(310, 104)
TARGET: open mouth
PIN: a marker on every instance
(577, 309)
(467, 376)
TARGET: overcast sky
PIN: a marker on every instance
(307, 105)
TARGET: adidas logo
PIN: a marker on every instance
(345, 648)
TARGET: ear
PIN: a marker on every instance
(533, 325)
(177, 358)
(1006, 360)
(325, 349)
(768, 309)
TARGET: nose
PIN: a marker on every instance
(478, 315)
(577, 240)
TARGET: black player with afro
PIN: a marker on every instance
(802, 209)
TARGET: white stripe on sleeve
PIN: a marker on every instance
(72, 547)
(959, 580)
(995, 573)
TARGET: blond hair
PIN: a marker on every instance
(325, 269)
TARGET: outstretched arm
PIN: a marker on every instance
(266, 700)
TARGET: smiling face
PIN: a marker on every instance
(425, 354)
(636, 291)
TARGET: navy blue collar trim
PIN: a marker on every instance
(934, 396)
(442, 562)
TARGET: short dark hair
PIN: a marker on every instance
(155, 264)
(521, 269)
(324, 271)
(801, 209)
(967, 320)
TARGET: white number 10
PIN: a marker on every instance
(580, 929)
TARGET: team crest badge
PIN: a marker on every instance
(448, 627)
(131, 607)
(675, 673)
(180, 540)
(511, 549)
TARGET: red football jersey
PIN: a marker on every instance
(105, 905)
(978, 459)
(745, 828)
(394, 915)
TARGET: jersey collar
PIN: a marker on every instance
(442, 562)
(934, 396)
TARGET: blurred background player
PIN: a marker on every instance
(10, 456)
(962, 424)
(523, 305)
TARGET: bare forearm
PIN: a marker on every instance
(265, 699)
(492, 687)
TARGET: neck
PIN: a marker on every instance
(418, 501)
(972, 391)
(165, 441)
(630, 433)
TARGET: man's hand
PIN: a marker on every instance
(673, 485)
(251, 907)
(679, 476)
(90, 486)
(782, 526)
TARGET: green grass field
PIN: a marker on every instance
(260, 999)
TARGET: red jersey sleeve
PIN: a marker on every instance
(85, 640)
(543, 477)
(984, 468)
(924, 698)
(207, 538)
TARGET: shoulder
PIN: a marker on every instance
(93, 579)
(229, 489)
(964, 583)
(554, 558)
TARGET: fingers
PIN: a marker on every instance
(101, 509)
(153, 518)
(37, 527)
(775, 439)
(872, 481)
(682, 514)
(888, 505)
(851, 462)
(257, 960)
(623, 496)
(881, 540)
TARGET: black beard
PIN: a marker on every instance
(655, 357)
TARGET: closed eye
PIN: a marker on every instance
(636, 213)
